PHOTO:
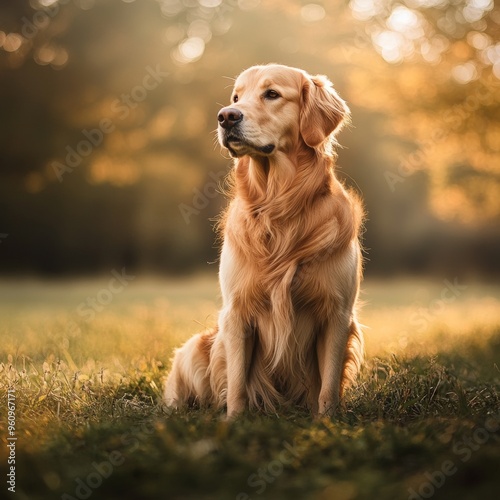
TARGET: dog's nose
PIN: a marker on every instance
(229, 117)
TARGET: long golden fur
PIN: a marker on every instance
(290, 264)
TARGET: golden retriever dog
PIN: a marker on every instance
(290, 265)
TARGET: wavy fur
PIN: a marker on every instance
(290, 263)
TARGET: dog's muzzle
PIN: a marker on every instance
(231, 135)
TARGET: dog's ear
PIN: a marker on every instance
(322, 110)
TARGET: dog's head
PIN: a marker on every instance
(278, 108)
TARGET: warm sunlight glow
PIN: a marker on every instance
(200, 29)
(189, 50)
(312, 12)
(475, 9)
(465, 73)
(12, 42)
(478, 40)
(105, 169)
(405, 35)
(161, 125)
(60, 59)
(426, 3)
(493, 53)
(47, 3)
(45, 55)
(171, 8)
(496, 69)
(391, 45)
(366, 9)
(405, 21)
(210, 3)
(432, 49)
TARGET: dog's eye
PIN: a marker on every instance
(235, 98)
(271, 94)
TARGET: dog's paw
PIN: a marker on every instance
(235, 408)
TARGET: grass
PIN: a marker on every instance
(424, 420)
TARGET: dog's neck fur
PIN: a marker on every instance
(273, 192)
(282, 186)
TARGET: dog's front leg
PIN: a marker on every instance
(331, 350)
(238, 346)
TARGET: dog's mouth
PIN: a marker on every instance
(239, 146)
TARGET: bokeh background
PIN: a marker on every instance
(108, 112)
(109, 174)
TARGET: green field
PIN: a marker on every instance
(85, 362)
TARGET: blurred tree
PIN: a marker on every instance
(442, 96)
(108, 119)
